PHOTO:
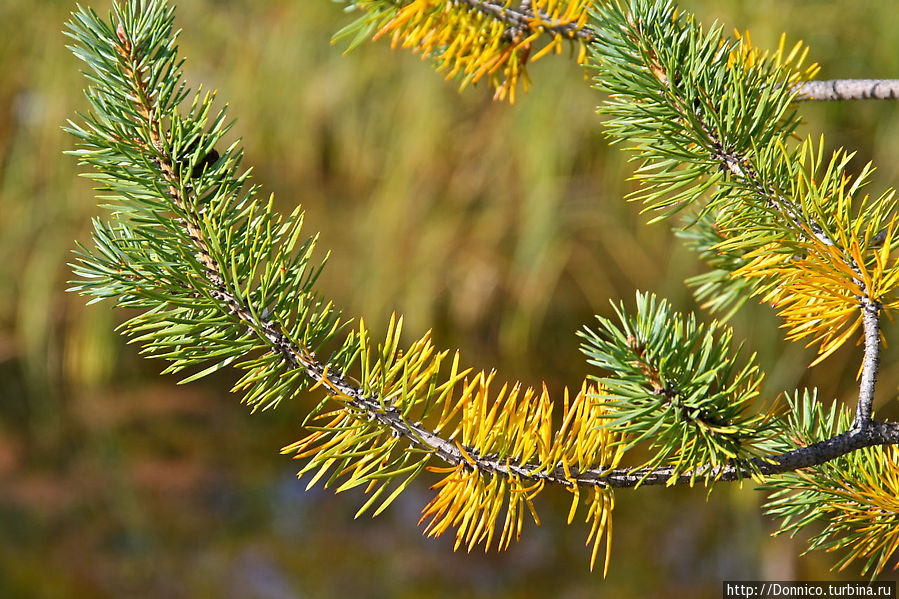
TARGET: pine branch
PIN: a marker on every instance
(296, 356)
(217, 282)
(221, 279)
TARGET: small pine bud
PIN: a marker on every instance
(204, 162)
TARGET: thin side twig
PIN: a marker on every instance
(871, 363)
(848, 89)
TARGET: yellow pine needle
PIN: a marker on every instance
(442, 502)
(556, 451)
(448, 417)
(486, 419)
(598, 517)
(302, 446)
(528, 500)
(799, 47)
(468, 497)
(833, 345)
(465, 454)
(463, 519)
(515, 431)
(441, 470)
(495, 508)
(544, 433)
(323, 380)
(512, 525)
(450, 408)
(322, 448)
(321, 471)
(575, 501)
(475, 518)
(470, 394)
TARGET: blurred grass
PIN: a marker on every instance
(502, 228)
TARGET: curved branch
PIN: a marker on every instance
(295, 357)
(875, 433)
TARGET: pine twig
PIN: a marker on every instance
(875, 433)
(521, 19)
(848, 89)
(870, 365)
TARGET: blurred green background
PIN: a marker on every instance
(500, 227)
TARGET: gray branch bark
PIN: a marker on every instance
(875, 433)
(848, 89)
(871, 364)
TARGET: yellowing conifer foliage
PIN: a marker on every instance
(491, 41)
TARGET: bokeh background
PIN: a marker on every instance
(502, 228)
